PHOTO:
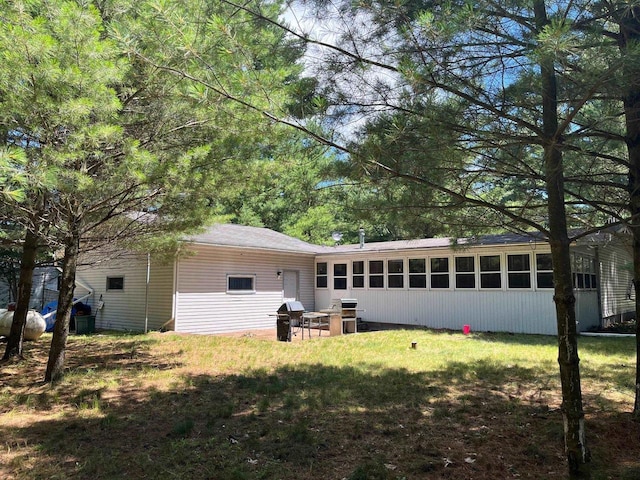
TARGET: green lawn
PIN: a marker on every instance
(365, 406)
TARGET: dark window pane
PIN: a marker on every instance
(358, 281)
(490, 263)
(543, 261)
(519, 280)
(376, 281)
(418, 281)
(321, 282)
(439, 281)
(321, 268)
(465, 280)
(594, 283)
(376, 266)
(395, 266)
(340, 269)
(580, 280)
(518, 263)
(417, 265)
(358, 268)
(464, 264)
(115, 283)
(545, 280)
(240, 283)
(490, 280)
(439, 265)
(396, 281)
(340, 283)
(587, 281)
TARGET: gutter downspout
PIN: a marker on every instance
(175, 294)
(146, 295)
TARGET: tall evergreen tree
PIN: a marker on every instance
(515, 91)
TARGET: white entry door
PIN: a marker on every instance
(290, 285)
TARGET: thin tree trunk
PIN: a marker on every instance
(578, 456)
(55, 365)
(27, 266)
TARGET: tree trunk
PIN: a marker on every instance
(55, 365)
(629, 38)
(573, 415)
(27, 265)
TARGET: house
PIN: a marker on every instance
(495, 283)
(232, 278)
(235, 278)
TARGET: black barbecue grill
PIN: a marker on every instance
(289, 316)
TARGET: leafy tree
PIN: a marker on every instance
(518, 93)
(128, 149)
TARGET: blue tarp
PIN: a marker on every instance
(51, 306)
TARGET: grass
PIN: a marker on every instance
(366, 406)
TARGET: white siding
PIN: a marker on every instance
(203, 304)
(125, 309)
(616, 273)
(508, 310)
(587, 310)
(517, 312)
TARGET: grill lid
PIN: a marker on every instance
(345, 302)
(292, 306)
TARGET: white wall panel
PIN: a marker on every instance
(125, 309)
(204, 306)
(615, 280)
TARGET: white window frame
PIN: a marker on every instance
(382, 274)
(424, 273)
(324, 275)
(344, 277)
(390, 274)
(530, 271)
(545, 271)
(473, 273)
(362, 275)
(448, 273)
(500, 271)
(252, 276)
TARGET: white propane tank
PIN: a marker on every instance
(33, 329)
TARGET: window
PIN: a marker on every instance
(376, 274)
(241, 283)
(584, 272)
(321, 275)
(490, 276)
(340, 276)
(395, 273)
(417, 273)
(115, 283)
(440, 272)
(519, 271)
(544, 270)
(357, 278)
(465, 272)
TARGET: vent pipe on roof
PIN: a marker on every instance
(361, 235)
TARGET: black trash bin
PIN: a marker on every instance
(289, 315)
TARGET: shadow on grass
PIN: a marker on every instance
(480, 420)
(94, 360)
(307, 422)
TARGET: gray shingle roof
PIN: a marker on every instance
(252, 237)
(263, 238)
(502, 239)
